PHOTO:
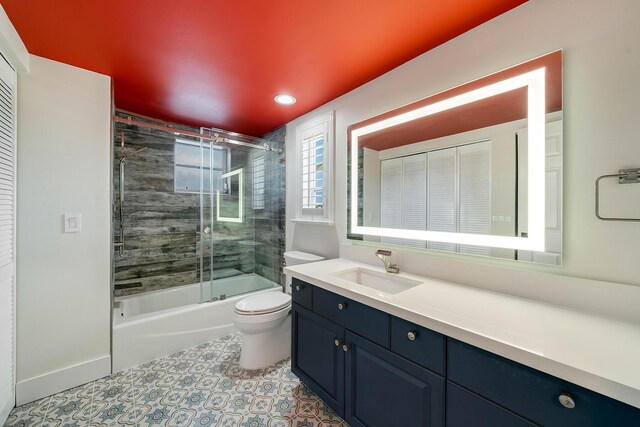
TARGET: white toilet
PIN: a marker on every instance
(265, 323)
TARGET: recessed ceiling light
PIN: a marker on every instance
(284, 99)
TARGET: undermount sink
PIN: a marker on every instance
(384, 282)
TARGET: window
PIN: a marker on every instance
(314, 145)
(190, 158)
(258, 182)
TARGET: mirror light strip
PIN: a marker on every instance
(240, 216)
(535, 83)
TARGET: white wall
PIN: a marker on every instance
(601, 42)
(63, 313)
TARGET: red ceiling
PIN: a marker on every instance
(494, 110)
(220, 63)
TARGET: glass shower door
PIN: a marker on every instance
(232, 200)
(208, 186)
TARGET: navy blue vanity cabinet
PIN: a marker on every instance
(532, 394)
(301, 293)
(377, 370)
(317, 356)
(386, 390)
(418, 344)
(365, 321)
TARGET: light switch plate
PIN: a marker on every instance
(72, 222)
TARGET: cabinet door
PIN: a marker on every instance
(317, 357)
(533, 394)
(386, 390)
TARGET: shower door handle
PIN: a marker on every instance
(207, 230)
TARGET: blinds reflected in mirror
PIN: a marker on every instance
(474, 193)
(441, 190)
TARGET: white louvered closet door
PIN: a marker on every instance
(474, 193)
(7, 238)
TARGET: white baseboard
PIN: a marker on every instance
(63, 379)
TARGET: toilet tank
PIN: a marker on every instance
(292, 258)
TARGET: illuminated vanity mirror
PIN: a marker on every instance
(476, 169)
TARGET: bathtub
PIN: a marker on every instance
(158, 323)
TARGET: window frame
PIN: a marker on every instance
(325, 125)
(184, 165)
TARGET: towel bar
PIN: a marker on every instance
(626, 176)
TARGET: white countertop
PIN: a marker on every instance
(595, 352)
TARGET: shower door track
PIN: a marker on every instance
(214, 137)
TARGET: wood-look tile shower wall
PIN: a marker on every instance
(162, 227)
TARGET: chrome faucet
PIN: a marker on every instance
(384, 255)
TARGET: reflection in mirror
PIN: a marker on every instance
(476, 169)
(229, 205)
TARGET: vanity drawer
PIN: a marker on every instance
(301, 293)
(418, 344)
(530, 393)
(363, 320)
(468, 409)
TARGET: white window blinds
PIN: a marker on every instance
(314, 148)
(258, 182)
(7, 238)
(312, 152)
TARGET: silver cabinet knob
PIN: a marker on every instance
(345, 347)
(207, 230)
(337, 342)
(298, 288)
(567, 401)
(341, 306)
(412, 336)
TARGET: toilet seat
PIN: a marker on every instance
(264, 303)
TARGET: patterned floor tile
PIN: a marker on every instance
(197, 387)
(230, 420)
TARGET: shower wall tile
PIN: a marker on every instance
(270, 221)
(155, 255)
(161, 227)
(142, 270)
(155, 283)
(169, 240)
